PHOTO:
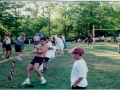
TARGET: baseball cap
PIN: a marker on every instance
(77, 49)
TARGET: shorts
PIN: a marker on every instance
(60, 48)
(8, 47)
(37, 60)
(3, 48)
(46, 59)
(17, 48)
(36, 42)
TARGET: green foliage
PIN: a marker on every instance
(69, 18)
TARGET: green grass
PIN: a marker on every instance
(103, 62)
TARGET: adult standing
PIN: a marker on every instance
(7, 41)
(40, 34)
(3, 46)
(19, 46)
(89, 37)
(36, 40)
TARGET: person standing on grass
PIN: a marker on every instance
(54, 50)
(118, 39)
(40, 34)
(36, 40)
(48, 53)
(59, 45)
(7, 41)
(79, 70)
(40, 52)
(89, 40)
(19, 46)
(3, 46)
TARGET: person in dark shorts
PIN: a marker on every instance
(89, 40)
(40, 52)
(7, 41)
(36, 40)
(19, 45)
(3, 46)
(48, 54)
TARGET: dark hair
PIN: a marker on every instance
(43, 38)
(53, 42)
(47, 38)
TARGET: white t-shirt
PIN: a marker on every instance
(53, 52)
(79, 70)
(48, 53)
(118, 39)
(59, 43)
(8, 41)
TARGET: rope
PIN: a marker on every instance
(14, 57)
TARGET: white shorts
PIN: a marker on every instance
(60, 47)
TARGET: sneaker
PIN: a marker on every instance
(8, 57)
(2, 56)
(21, 54)
(43, 81)
(19, 59)
(25, 82)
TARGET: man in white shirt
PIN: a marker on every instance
(79, 70)
(48, 53)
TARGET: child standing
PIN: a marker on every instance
(79, 70)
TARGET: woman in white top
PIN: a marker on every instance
(7, 41)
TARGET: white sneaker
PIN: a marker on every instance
(2, 56)
(19, 59)
(25, 82)
(21, 54)
(43, 81)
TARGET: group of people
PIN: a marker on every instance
(46, 49)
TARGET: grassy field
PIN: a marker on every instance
(103, 62)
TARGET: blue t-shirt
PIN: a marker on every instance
(40, 35)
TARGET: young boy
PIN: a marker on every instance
(79, 70)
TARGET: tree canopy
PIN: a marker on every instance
(69, 18)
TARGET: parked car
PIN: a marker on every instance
(28, 40)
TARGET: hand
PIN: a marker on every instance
(74, 84)
(35, 50)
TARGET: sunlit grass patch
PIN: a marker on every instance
(103, 62)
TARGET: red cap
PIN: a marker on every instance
(77, 50)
